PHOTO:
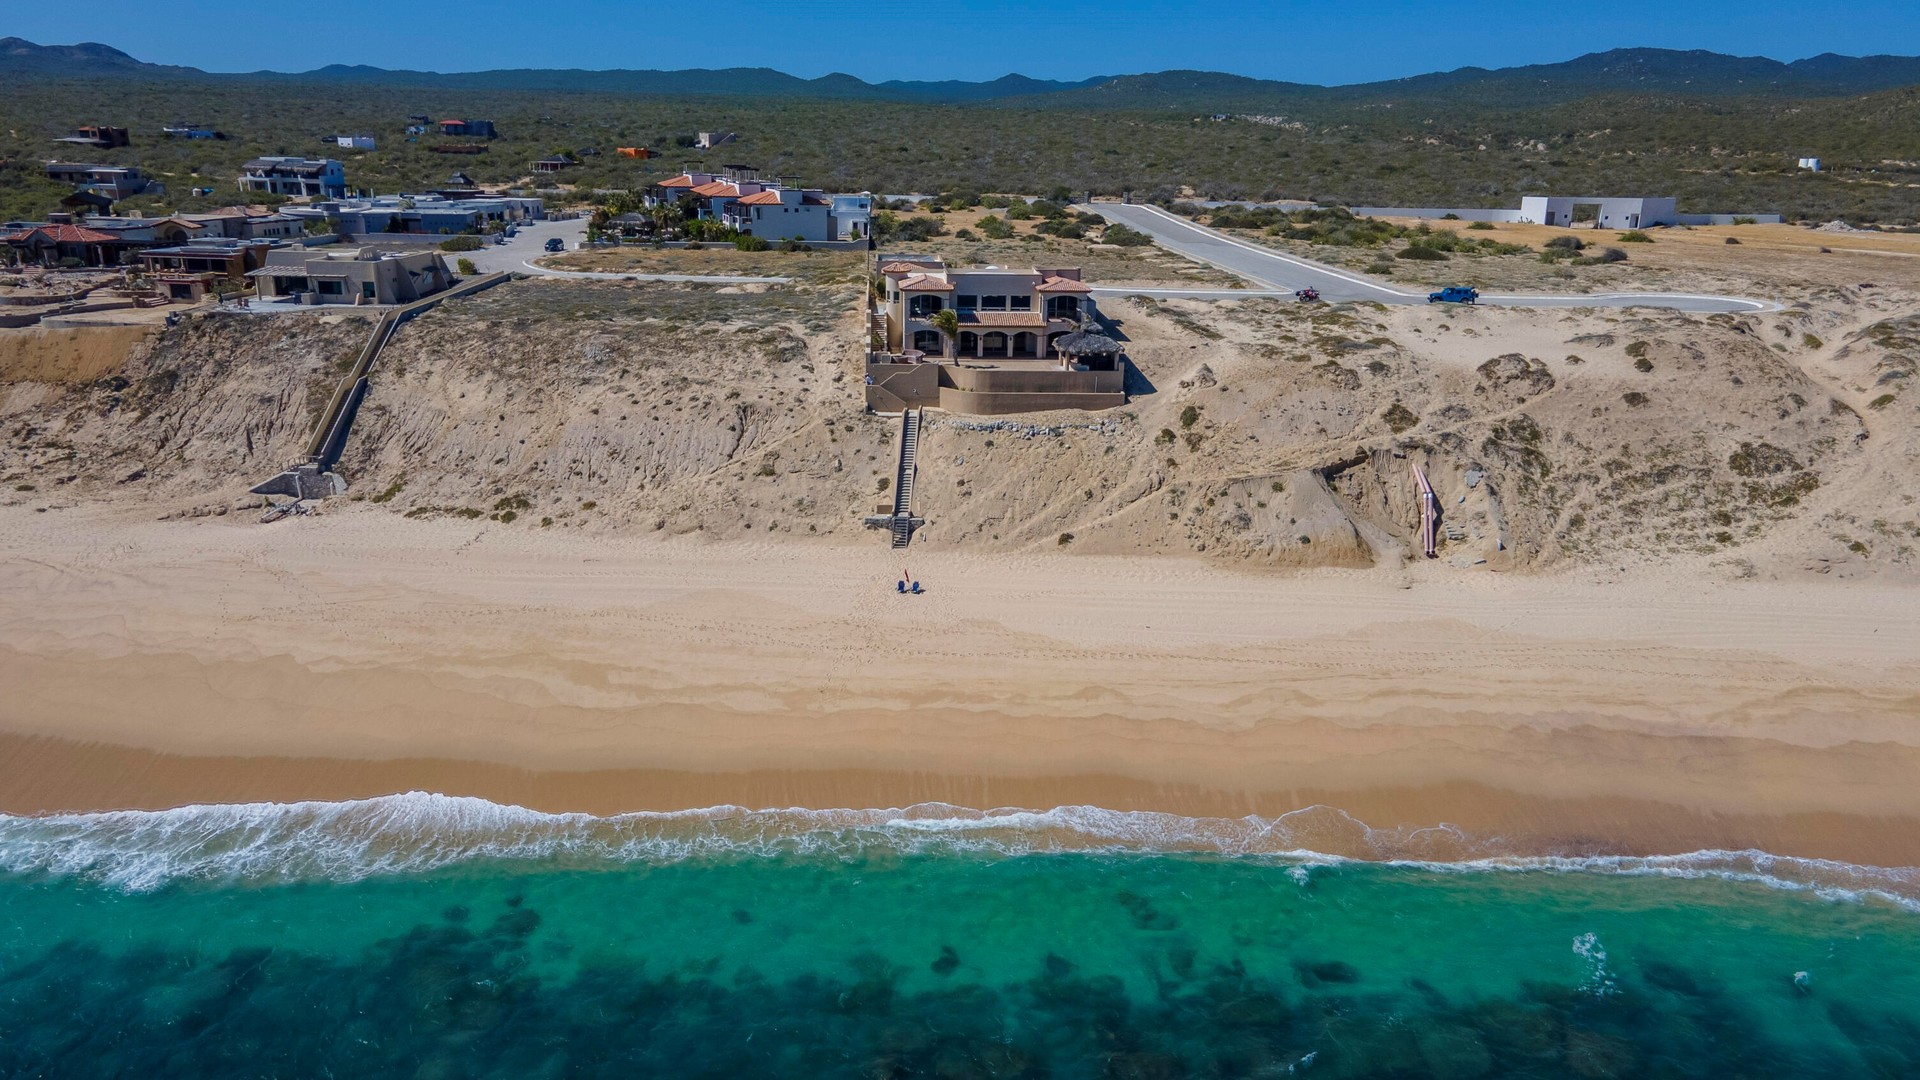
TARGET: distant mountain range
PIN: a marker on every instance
(1662, 72)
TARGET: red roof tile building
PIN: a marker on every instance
(1024, 340)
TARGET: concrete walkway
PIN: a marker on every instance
(1278, 274)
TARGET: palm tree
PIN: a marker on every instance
(947, 321)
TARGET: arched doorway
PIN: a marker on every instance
(969, 343)
(928, 341)
(993, 345)
(1026, 345)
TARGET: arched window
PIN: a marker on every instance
(928, 341)
(1063, 307)
(922, 306)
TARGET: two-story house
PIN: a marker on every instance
(1023, 340)
(113, 181)
(1003, 313)
(322, 178)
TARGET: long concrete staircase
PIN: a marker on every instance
(902, 526)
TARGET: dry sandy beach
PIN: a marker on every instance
(149, 664)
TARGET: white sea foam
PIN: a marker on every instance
(417, 831)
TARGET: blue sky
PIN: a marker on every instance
(1330, 41)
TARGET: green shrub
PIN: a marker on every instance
(1189, 416)
(1421, 253)
(460, 243)
(1643, 365)
(465, 267)
(1746, 221)
(1125, 237)
(1065, 539)
(1481, 226)
(1635, 236)
(751, 243)
(995, 228)
(1881, 402)
(1399, 418)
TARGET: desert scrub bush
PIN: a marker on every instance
(392, 490)
(1481, 226)
(996, 228)
(1812, 341)
(883, 483)
(1165, 438)
(1189, 416)
(751, 243)
(1421, 253)
(1760, 459)
(1065, 539)
(1399, 418)
(460, 243)
(1635, 398)
(1125, 237)
(1636, 349)
(1881, 402)
(465, 267)
(1643, 365)
(1635, 236)
(513, 502)
(1733, 240)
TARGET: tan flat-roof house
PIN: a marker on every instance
(1024, 340)
(366, 276)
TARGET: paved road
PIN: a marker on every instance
(1275, 273)
(530, 243)
(518, 254)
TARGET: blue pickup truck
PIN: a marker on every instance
(1455, 294)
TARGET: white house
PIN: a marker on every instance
(318, 177)
(1609, 213)
(354, 142)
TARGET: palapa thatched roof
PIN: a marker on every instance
(1086, 341)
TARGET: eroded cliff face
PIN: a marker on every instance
(1259, 432)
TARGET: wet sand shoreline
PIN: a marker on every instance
(160, 664)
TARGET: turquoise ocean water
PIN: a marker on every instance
(423, 936)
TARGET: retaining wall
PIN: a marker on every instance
(1435, 213)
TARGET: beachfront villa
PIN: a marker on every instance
(1021, 341)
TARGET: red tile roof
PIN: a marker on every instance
(772, 198)
(717, 188)
(923, 283)
(1003, 318)
(1063, 285)
(65, 234)
(904, 268)
(683, 180)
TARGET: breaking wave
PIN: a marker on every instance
(265, 843)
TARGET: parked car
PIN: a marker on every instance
(1455, 294)
(556, 244)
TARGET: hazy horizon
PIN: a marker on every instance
(976, 40)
